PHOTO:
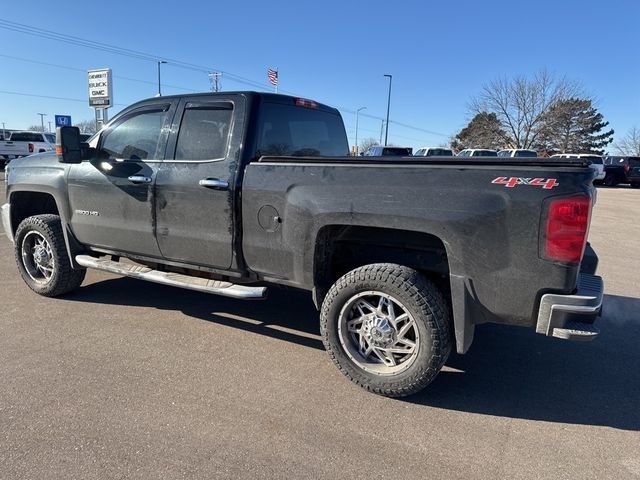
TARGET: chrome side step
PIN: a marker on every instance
(140, 272)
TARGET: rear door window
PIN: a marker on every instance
(204, 132)
(289, 130)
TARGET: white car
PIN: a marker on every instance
(517, 152)
(433, 152)
(596, 162)
(21, 144)
(477, 152)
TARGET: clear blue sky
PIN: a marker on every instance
(439, 53)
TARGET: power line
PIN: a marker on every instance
(76, 69)
(50, 97)
(48, 34)
(78, 41)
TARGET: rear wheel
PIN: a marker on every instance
(387, 329)
(610, 180)
(42, 257)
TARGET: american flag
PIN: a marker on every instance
(273, 76)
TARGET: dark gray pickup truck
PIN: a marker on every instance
(228, 193)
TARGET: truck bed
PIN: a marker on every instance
(489, 228)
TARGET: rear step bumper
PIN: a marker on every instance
(216, 287)
(571, 317)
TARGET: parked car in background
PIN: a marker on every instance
(619, 169)
(21, 144)
(596, 162)
(433, 152)
(477, 152)
(517, 152)
(380, 151)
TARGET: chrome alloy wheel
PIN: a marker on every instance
(378, 333)
(37, 257)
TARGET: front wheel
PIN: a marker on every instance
(42, 257)
(387, 328)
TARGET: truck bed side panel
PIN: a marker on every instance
(490, 232)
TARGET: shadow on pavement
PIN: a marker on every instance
(512, 372)
(260, 316)
(509, 371)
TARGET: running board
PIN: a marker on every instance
(198, 284)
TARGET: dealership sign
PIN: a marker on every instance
(100, 88)
(63, 121)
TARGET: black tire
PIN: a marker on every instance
(47, 230)
(414, 294)
(610, 180)
(635, 185)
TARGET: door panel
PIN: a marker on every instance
(111, 196)
(195, 188)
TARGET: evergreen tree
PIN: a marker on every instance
(483, 131)
(574, 125)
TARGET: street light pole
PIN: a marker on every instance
(159, 63)
(42, 115)
(357, 112)
(386, 133)
(49, 126)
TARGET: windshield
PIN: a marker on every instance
(51, 138)
(439, 152)
(485, 153)
(396, 151)
(526, 153)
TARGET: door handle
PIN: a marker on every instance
(214, 183)
(138, 179)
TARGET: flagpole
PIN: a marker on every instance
(277, 79)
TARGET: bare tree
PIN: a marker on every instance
(629, 145)
(520, 104)
(35, 128)
(87, 126)
(367, 143)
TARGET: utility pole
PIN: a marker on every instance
(381, 130)
(357, 112)
(42, 115)
(214, 79)
(386, 135)
(4, 134)
(49, 126)
(159, 63)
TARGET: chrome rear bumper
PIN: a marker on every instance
(571, 317)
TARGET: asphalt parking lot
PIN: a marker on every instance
(125, 379)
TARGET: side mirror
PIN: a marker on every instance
(68, 145)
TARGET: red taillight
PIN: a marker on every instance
(303, 102)
(32, 148)
(626, 168)
(567, 227)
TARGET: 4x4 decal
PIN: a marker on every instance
(546, 183)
